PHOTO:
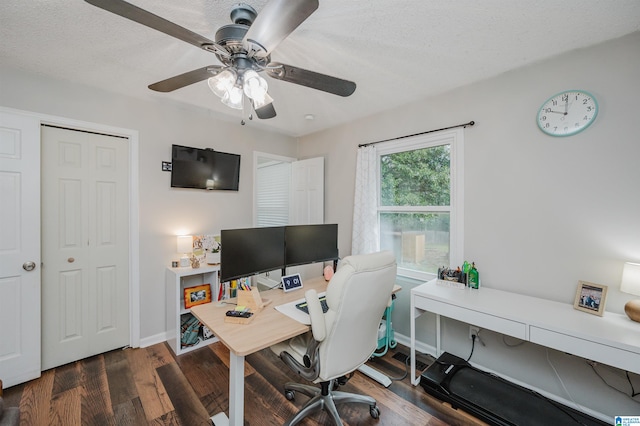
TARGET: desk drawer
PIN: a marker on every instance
(599, 352)
(483, 320)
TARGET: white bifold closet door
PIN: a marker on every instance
(85, 244)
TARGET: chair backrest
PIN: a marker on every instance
(357, 296)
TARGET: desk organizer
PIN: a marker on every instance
(252, 300)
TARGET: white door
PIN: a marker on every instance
(85, 244)
(295, 198)
(19, 245)
(308, 191)
(288, 192)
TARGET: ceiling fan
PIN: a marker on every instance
(244, 48)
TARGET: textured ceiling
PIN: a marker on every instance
(396, 51)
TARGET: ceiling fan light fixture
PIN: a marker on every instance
(255, 87)
(223, 82)
(243, 48)
(233, 97)
(265, 100)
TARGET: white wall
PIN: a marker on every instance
(164, 212)
(540, 213)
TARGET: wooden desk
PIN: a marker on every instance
(268, 328)
(612, 339)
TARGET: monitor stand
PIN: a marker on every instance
(493, 399)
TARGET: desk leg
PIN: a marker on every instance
(375, 375)
(236, 390)
(438, 336)
(236, 394)
(412, 354)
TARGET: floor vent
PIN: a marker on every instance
(420, 366)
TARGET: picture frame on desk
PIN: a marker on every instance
(590, 298)
(197, 295)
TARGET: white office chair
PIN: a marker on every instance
(342, 339)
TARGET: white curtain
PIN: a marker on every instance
(365, 216)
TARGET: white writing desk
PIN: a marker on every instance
(267, 328)
(612, 339)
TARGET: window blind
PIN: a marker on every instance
(272, 194)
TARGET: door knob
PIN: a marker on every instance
(29, 266)
(71, 260)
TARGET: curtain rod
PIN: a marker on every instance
(471, 123)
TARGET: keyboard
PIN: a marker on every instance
(323, 302)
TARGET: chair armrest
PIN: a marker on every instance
(318, 325)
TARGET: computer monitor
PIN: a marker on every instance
(251, 251)
(311, 243)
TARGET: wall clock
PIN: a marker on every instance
(567, 113)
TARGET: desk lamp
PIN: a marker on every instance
(631, 284)
(185, 247)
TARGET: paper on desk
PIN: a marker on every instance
(290, 310)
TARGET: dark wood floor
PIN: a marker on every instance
(152, 386)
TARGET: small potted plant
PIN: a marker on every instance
(212, 249)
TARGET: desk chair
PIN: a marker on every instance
(344, 338)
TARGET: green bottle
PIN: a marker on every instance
(474, 277)
(465, 271)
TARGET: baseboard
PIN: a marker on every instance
(420, 347)
(152, 340)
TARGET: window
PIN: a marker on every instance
(272, 188)
(420, 202)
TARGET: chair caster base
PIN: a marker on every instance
(374, 411)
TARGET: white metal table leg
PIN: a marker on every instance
(375, 375)
(438, 336)
(236, 394)
(236, 390)
(412, 354)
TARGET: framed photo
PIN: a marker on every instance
(590, 298)
(291, 282)
(197, 295)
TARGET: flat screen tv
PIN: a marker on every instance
(311, 243)
(204, 169)
(251, 251)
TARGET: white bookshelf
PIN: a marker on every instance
(177, 279)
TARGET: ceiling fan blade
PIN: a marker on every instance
(265, 112)
(141, 16)
(312, 79)
(182, 80)
(276, 20)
